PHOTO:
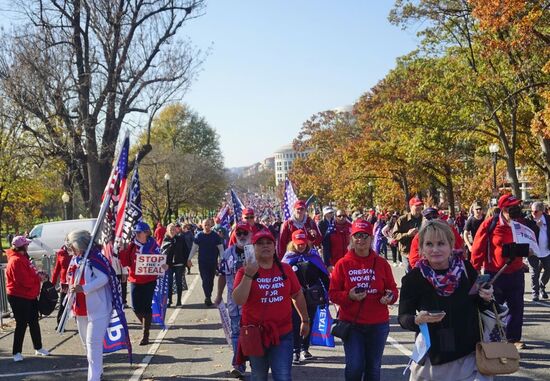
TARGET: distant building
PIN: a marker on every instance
(284, 157)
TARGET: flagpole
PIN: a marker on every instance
(76, 280)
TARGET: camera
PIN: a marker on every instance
(515, 250)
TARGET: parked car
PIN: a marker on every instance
(48, 237)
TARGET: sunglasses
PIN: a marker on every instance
(360, 236)
(340, 216)
(249, 217)
(300, 209)
(242, 233)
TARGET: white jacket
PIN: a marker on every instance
(98, 293)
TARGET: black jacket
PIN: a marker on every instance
(176, 250)
(459, 329)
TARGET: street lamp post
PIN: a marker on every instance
(65, 198)
(494, 148)
(168, 211)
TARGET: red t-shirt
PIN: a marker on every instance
(372, 273)
(270, 297)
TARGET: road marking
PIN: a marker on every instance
(154, 348)
(43, 372)
(399, 346)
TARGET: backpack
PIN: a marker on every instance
(47, 299)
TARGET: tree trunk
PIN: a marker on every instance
(450, 190)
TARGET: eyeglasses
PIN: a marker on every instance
(242, 233)
(361, 236)
(249, 217)
(300, 209)
(340, 216)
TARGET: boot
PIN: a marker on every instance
(146, 326)
(178, 304)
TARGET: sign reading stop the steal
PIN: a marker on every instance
(150, 264)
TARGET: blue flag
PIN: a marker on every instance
(160, 299)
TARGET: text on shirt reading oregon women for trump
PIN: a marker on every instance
(271, 289)
(363, 278)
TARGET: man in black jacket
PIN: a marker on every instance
(177, 256)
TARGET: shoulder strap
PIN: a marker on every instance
(490, 230)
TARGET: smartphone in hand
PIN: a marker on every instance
(359, 290)
(249, 255)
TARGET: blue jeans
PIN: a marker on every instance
(235, 330)
(364, 348)
(278, 358)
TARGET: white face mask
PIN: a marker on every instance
(242, 241)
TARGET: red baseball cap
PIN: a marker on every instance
(262, 234)
(241, 225)
(416, 201)
(507, 200)
(247, 211)
(300, 204)
(361, 226)
(299, 237)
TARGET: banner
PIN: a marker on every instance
(522, 234)
(226, 321)
(150, 264)
(160, 299)
(320, 332)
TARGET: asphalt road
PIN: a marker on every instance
(194, 348)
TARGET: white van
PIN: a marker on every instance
(47, 238)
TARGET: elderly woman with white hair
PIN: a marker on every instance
(92, 305)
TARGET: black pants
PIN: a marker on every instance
(62, 296)
(208, 273)
(124, 288)
(176, 273)
(393, 253)
(142, 297)
(302, 344)
(25, 312)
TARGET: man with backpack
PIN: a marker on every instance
(488, 251)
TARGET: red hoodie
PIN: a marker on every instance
(372, 273)
(288, 227)
(493, 261)
(61, 266)
(21, 276)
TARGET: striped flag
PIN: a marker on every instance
(289, 199)
(237, 206)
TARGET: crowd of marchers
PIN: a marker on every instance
(277, 274)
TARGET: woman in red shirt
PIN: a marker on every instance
(23, 287)
(60, 271)
(267, 288)
(142, 287)
(362, 285)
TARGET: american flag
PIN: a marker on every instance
(289, 199)
(116, 193)
(237, 206)
(133, 213)
(223, 216)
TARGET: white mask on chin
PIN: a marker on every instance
(242, 241)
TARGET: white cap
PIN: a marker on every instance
(327, 209)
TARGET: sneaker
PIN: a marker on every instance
(400, 264)
(306, 355)
(17, 357)
(394, 264)
(520, 345)
(543, 294)
(535, 298)
(296, 359)
(42, 352)
(237, 373)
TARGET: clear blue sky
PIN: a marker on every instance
(273, 64)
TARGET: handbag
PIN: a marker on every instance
(340, 329)
(315, 295)
(250, 340)
(499, 357)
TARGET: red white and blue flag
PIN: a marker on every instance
(289, 199)
(237, 206)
